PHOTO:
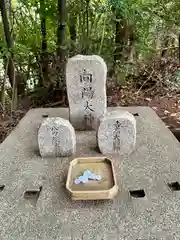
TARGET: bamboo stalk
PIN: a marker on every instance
(102, 38)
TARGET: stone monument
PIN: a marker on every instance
(56, 138)
(117, 133)
(86, 89)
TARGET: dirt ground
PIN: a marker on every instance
(167, 107)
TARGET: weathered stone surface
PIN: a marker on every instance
(86, 88)
(56, 137)
(117, 133)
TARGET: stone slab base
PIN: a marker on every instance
(53, 215)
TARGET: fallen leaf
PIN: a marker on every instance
(148, 99)
(166, 112)
(173, 114)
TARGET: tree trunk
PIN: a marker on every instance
(179, 47)
(132, 49)
(120, 36)
(165, 47)
(72, 30)
(72, 25)
(3, 87)
(87, 26)
(9, 41)
(61, 40)
(83, 27)
(44, 54)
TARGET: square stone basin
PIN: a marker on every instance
(106, 188)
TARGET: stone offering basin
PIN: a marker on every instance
(106, 188)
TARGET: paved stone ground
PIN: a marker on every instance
(154, 163)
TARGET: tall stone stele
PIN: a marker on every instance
(86, 89)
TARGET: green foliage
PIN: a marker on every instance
(94, 23)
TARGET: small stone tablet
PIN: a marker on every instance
(56, 138)
(117, 133)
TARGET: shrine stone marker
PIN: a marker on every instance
(56, 137)
(117, 133)
(86, 89)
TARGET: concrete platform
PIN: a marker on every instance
(154, 163)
